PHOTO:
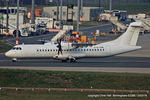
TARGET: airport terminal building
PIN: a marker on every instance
(89, 13)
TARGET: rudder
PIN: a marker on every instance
(130, 37)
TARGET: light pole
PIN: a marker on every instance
(60, 19)
(78, 16)
(99, 4)
(81, 12)
(17, 31)
(7, 19)
(61, 3)
(33, 13)
(57, 10)
(110, 7)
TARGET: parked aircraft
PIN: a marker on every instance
(72, 51)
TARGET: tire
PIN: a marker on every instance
(72, 60)
(64, 61)
(14, 60)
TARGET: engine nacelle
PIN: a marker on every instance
(63, 57)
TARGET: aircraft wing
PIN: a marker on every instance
(43, 41)
(82, 44)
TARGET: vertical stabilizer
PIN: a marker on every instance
(130, 37)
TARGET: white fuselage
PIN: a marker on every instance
(50, 50)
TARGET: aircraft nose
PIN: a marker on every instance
(7, 54)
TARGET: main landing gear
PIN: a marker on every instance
(14, 59)
(72, 60)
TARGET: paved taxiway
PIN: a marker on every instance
(112, 64)
(86, 31)
(136, 61)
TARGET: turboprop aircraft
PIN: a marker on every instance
(67, 51)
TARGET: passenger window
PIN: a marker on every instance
(16, 48)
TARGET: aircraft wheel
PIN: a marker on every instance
(72, 60)
(14, 60)
(64, 61)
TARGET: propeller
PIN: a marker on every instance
(59, 46)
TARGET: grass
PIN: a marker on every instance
(55, 96)
(50, 79)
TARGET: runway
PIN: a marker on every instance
(111, 64)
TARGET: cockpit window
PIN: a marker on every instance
(16, 48)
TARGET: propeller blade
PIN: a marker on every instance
(59, 46)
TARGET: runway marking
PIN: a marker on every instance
(85, 69)
(42, 60)
(94, 27)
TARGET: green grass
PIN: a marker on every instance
(50, 79)
(56, 96)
